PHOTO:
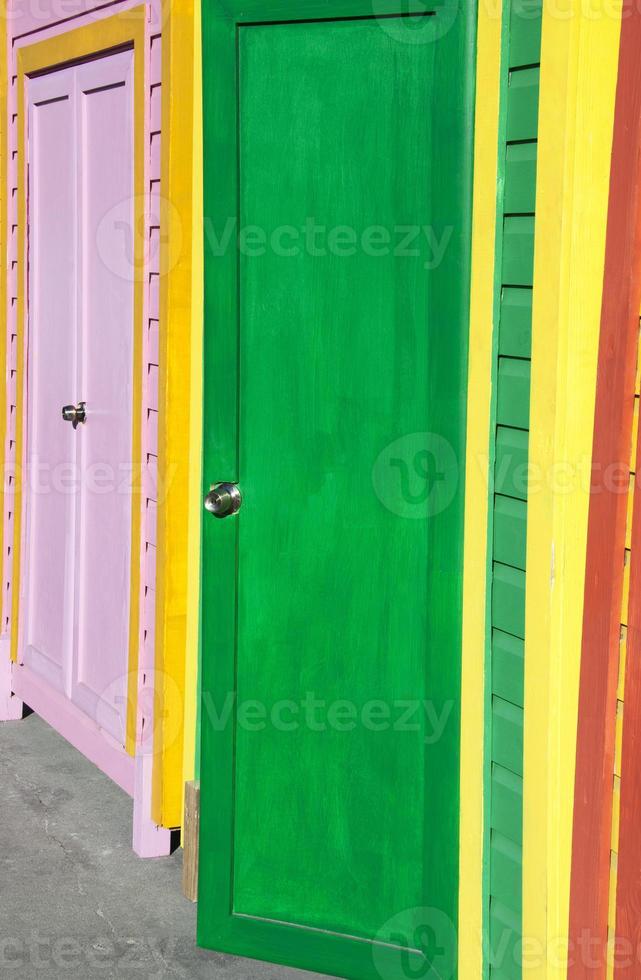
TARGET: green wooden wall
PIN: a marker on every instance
(508, 511)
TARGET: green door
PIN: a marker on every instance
(338, 158)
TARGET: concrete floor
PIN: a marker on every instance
(74, 899)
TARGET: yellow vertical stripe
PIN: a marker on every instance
(623, 646)
(616, 814)
(578, 83)
(476, 499)
(635, 435)
(176, 308)
(626, 587)
(195, 424)
(618, 740)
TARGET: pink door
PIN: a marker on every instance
(77, 569)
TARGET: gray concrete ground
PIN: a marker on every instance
(74, 899)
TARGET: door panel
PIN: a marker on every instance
(104, 540)
(331, 602)
(334, 367)
(52, 373)
(81, 349)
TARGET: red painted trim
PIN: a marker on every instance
(628, 899)
(607, 523)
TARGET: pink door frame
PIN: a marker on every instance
(133, 773)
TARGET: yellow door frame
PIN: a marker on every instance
(180, 415)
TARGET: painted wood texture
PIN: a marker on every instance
(516, 180)
(78, 44)
(191, 835)
(578, 78)
(625, 889)
(10, 704)
(50, 516)
(91, 32)
(609, 724)
(333, 541)
(474, 788)
(191, 754)
(81, 348)
(276, 848)
(592, 837)
(175, 426)
(623, 940)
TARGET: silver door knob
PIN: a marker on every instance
(223, 500)
(76, 414)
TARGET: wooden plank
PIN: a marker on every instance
(191, 740)
(174, 553)
(515, 331)
(616, 814)
(510, 531)
(628, 728)
(513, 392)
(479, 396)
(578, 82)
(626, 586)
(10, 705)
(505, 943)
(507, 735)
(508, 600)
(518, 250)
(622, 660)
(506, 872)
(590, 882)
(525, 32)
(511, 462)
(520, 178)
(507, 667)
(512, 380)
(635, 435)
(618, 738)
(191, 834)
(523, 105)
(507, 804)
(628, 520)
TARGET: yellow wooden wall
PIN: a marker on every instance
(180, 414)
(579, 61)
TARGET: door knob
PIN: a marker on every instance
(75, 414)
(223, 500)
